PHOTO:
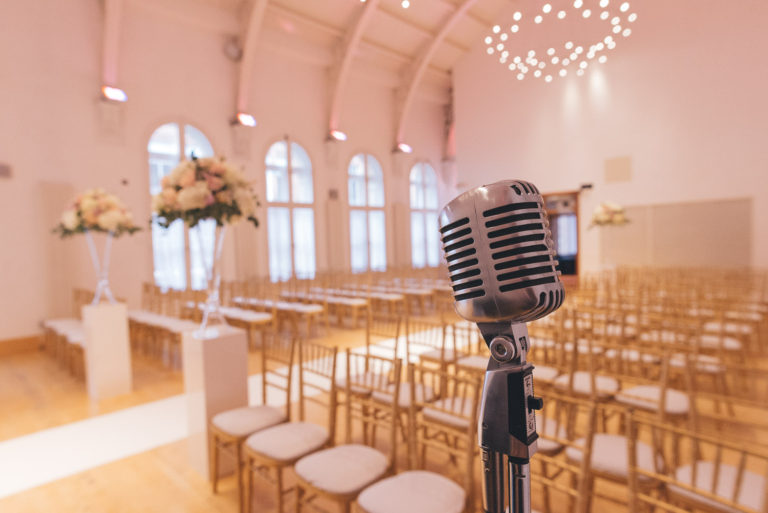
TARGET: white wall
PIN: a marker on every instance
(51, 135)
(684, 97)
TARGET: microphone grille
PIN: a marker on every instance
(463, 264)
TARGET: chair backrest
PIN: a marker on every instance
(317, 381)
(448, 424)
(697, 471)
(425, 334)
(373, 398)
(383, 327)
(565, 424)
(277, 357)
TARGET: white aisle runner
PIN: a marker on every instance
(39, 458)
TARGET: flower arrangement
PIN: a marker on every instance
(205, 188)
(608, 213)
(98, 211)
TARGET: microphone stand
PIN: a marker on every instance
(507, 424)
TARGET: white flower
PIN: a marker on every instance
(245, 201)
(157, 203)
(69, 219)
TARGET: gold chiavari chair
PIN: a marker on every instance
(270, 451)
(228, 430)
(694, 472)
(340, 473)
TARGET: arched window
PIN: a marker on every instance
(366, 217)
(290, 217)
(425, 240)
(169, 246)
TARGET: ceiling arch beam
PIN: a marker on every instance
(248, 58)
(110, 51)
(345, 64)
(423, 63)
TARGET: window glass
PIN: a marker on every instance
(195, 143)
(375, 183)
(430, 187)
(359, 241)
(279, 238)
(377, 237)
(301, 175)
(357, 181)
(304, 242)
(418, 257)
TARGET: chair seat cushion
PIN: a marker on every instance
(423, 393)
(286, 442)
(582, 384)
(703, 363)
(247, 420)
(474, 361)
(751, 493)
(544, 374)
(345, 469)
(716, 342)
(729, 327)
(632, 355)
(648, 397)
(448, 355)
(415, 491)
(609, 456)
(549, 429)
(453, 411)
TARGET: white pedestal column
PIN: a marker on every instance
(215, 380)
(107, 350)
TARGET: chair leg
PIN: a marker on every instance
(249, 487)
(279, 489)
(213, 462)
(299, 497)
(239, 473)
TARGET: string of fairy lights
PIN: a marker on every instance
(609, 22)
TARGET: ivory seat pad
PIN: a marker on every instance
(704, 363)
(423, 393)
(544, 374)
(582, 384)
(729, 327)
(344, 469)
(648, 397)
(609, 455)
(453, 411)
(415, 491)
(716, 342)
(751, 493)
(474, 361)
(582, 347)
(632, 355)
(449, 355)
(286, 442)
(249, 419)
(549, 428)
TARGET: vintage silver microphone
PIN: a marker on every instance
(503, 271)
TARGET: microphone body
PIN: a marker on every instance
(503, 272)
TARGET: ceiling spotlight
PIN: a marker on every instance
(403, 148)
(244, 119)
(406, 4)
(337, 135)
(114, 94)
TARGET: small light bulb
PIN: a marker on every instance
(500, 46)
(583, 64)
(517, 60)
(600, 47)
(578, 50)
(496, 29)
(587, 13)
(551, 51)
(566, 62)
(574, 56)
(406, 4)
(520, 76)
(488, 40)
(608, 39)
(632, 17)
(561, 14)
(503, 36)
(580, 72)
(538, 19)
(547, 8)
(490, 50)
(537, 73)
(616, 20)
(624, 7)
(604, 3)
(568, 45)
(578, 3)
(555, 60)
(548, 78)
(563, 72)
(542, 64)
(505, 54)
(512, 67)
(626, 32)
(531, 53)
(604, 15)
(611, 45)
(602, 59)
(514, 28)
(517, 16)
(617, 29)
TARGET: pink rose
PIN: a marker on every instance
(214, 182)
(209, 200)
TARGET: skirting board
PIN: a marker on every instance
(20, 345)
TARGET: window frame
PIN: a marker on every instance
(425, 212)
(367, 209)
(290, 205)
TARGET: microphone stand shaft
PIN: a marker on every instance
(519, 487)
